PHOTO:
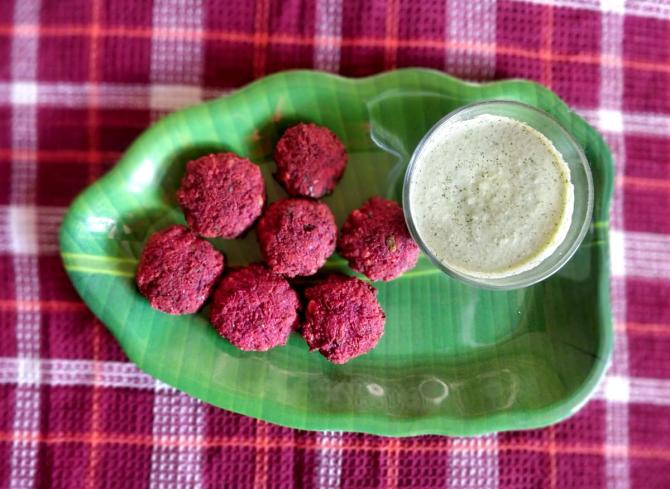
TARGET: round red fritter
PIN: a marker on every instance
(376, 242)
(343, 318)
(178, 270)
(221, 195)
(297, 236)
(254, 308)
(310, 160)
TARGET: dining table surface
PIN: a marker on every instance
(81, 79)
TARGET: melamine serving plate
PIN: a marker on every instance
(454, 359)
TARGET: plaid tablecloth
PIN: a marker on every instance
(80, 79)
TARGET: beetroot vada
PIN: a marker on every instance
(343, 318)
(221, 195)
(310, 160)
(254, 308)
(177, 270)
(376, 242)
(296, 236)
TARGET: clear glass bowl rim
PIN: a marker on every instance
(491, 283)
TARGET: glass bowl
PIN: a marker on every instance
(580, 176)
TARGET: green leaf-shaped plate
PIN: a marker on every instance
(454, 359)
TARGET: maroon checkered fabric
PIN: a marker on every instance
(79, 79)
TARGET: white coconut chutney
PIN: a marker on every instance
(491, 196)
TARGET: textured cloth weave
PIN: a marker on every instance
(80, 79)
